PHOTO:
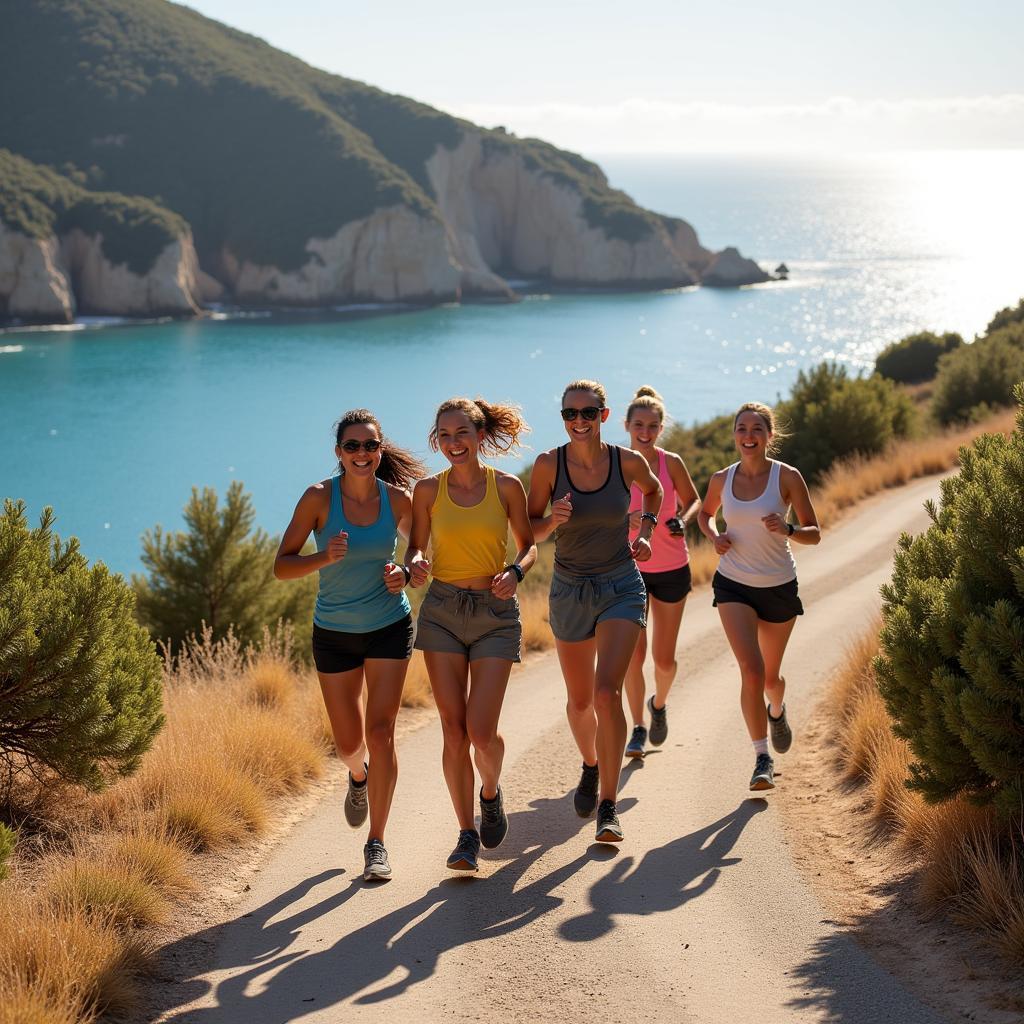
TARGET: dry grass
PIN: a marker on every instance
(969, 862)
(104, 891)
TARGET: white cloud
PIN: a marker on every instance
(838, 123)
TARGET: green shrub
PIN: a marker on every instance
(8, 839)
(1007, 316)
(830, 415)
(705, 447)
(915, 358)
(979, 377)
(951, 670)
(80, 682)
(218, 572)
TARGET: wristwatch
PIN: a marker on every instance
(520, 575)
(791, 528)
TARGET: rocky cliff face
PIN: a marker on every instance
(51, 279)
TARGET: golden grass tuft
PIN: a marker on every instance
(158, 859)
(278, 755)
(60, 964)
(270, 682)
(104, 891)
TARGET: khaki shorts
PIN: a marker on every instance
(475, 623)
(578, 603)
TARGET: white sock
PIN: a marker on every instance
(761, 746)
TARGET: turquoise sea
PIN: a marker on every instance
(113, 424)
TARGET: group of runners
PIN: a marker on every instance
(618, 517)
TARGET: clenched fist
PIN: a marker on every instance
(561, 510)
(337, 547)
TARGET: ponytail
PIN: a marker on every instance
(502, 425)
(647, 398)
(397, 466)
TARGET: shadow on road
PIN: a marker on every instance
(665, 878)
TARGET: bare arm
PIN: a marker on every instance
(542, 483)
(635, 470)
(687, 498)
(423, 496)
(309, 513)
(708, 511)
(512, 493)
(794, 491)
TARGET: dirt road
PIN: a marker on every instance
(700, 915)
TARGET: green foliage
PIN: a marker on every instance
(915, 358)
(977, 378)
(1007, 316)
(80, 681)
(218, 572)
(8, 839)
(830, 415)
(951, 670)
(704, 447)
(39, 202)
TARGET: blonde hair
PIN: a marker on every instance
(586, 385)
(647, 398)
(502, 424)
(776, 434)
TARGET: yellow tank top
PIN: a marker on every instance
(468, 542)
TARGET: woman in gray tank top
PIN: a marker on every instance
(597, 600)
(755, 586)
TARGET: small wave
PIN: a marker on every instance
(5, 349)
(369, 307)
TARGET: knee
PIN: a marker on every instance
(380, 735)
(665, 664)
(579, 705)
(607, 699)
(482, 737)
(455, 734)
(752, 671)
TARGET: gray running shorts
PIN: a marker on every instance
(475, 623)
(578, 603)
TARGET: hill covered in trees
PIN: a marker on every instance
(303, 187)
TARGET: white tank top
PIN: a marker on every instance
(757, 557)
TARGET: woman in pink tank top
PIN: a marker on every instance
(666, 574)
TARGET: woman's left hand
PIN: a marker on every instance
(394, 578)
(503, 586)
(640, 549)
(775, 523)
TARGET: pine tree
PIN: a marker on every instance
(80, 681)
(217, 572)
(951, 670)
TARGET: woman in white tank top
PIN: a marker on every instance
(755, 586)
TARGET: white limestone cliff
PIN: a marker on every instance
(33, 285)
(393, 255)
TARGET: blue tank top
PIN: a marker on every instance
(352, 597)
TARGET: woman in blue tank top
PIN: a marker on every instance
(362, 625)
(597, 600)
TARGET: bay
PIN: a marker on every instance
(113, 425)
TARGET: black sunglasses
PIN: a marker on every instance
(591, 412)
(352, 447)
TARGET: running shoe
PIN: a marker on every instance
(659, 723)
(780, 732)
(764, 773)
(375, 862)
(493, 822)
(463, 857)
(355, 800)
(608, 828)
(635, 746)
(585, 799)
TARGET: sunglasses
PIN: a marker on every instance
(591, 413)
(353, 446)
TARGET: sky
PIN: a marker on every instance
(678, 76)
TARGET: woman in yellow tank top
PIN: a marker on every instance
(468, 626)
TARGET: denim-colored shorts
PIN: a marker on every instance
(455, 620)
(578, 603)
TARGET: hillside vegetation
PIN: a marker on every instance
(255, 149)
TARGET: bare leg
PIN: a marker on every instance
(740, 624)
(772, 638)
(343, 698)
(616, 640)
(666, 620)
(577, 661)
(385, 678)
(449, 683)
(636, 685)
(489, 678)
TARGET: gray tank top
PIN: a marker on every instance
(595, 540)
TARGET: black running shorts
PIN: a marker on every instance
(669, 587)
(772, 604)
(335, 651)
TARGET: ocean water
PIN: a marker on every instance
(112, 425)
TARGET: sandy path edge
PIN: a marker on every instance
(704, 913)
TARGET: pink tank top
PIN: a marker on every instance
(667, 551)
